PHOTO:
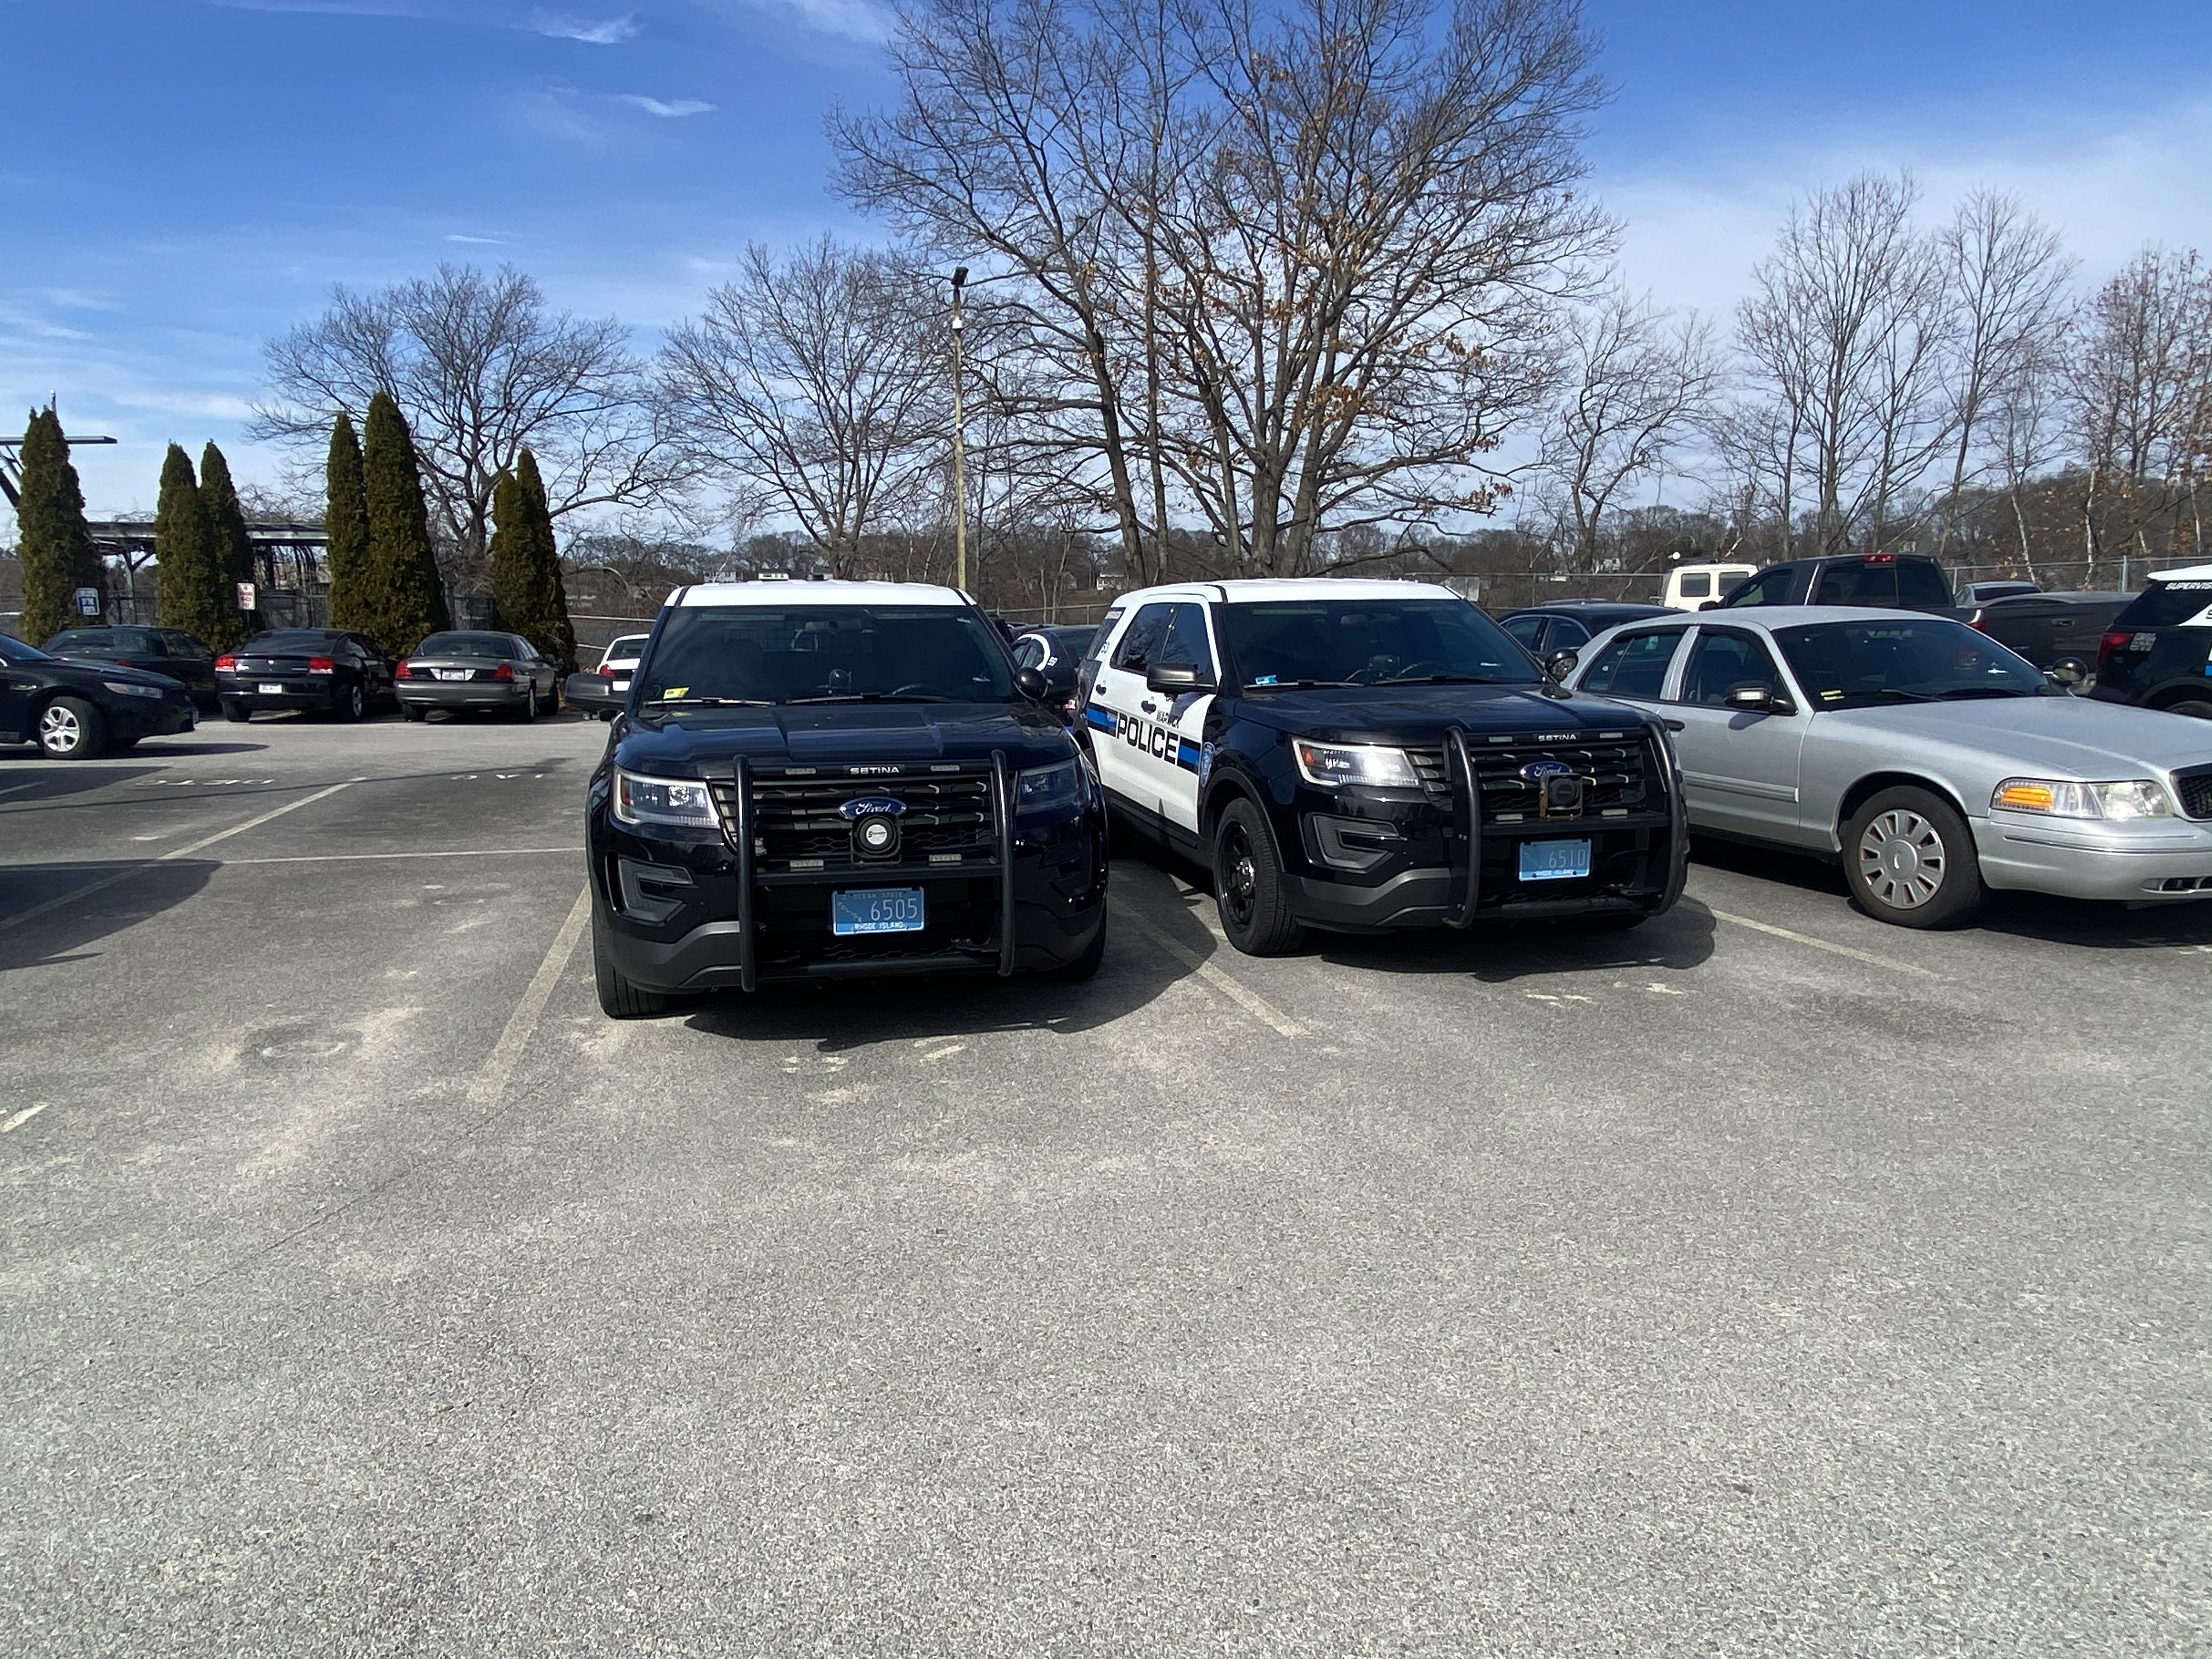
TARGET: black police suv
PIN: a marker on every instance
(2157, 652)
(1365, 755)
(75, 710)
(824, 779)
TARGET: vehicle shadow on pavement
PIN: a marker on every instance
(34, 786)
(2098, 927)
(1799, 870)
(64, 933)
(175, 749)
(1500, 953)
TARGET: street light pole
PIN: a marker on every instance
(959, 444)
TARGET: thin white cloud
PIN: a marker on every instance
(862, 20)
(667, 109)
(479, 241)
(76, 299)
(608, 32)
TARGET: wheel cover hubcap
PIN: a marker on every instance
(1902, 860)
(58, 729)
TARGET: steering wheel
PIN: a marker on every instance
(915, 688)
(1413, 670)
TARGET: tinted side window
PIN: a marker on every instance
(1770, 588)
(1142, 642)
(1633, 665)
(2166, 604)
(1567, 635)
(1719, 660)
(1186, 641)
(1526, 629)
(1029, 652)
(1698, 586)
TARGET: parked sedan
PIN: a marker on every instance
(498, 673)
(74, 710)
(169, 652)
(1932, 761)
(318, 669)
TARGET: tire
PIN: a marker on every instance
(350, 704)
(619, 998)
(70, 728)
(237, 712)
(2195, 708)
(529, 710)
(1909, 859)
(1084, 966)
(408, 711)
(1247, 884)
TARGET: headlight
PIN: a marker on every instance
(1330, 765)
(125, 689)
(2133, 798)
(1047, 788)
(664, 801)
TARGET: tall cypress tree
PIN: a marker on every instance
(55, 548)
(230, 551)
(186, 581)
(346, 526)
(527, 589)
(410, 601)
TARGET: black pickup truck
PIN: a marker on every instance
(1361, 756)
(835, 780)
(2054, 631)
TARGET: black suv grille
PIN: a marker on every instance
(948, 817)
(2195, 788)
(1613, 766)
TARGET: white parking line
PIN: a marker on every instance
(22, 1118)
(87, 891)
(491, 1078)
(1250, 1001)
(1890, 962)
(18, 788)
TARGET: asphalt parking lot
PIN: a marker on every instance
(1763, 1281)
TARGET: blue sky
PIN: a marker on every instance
(180, 179)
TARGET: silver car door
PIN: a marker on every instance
(1738, 765)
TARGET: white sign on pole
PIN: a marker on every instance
(88, 602)
(246, 596)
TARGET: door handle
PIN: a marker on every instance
(1677, 726)
(1148, 706)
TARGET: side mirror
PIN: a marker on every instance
(1176, 678)
(1562, 664)
(1028, 682)
(1710, 605)
(2068, 671)
(589, 693)
(1757, 697)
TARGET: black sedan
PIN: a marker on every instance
(169, 652)
(495, 673)
(1057, 651)
(319, 669)
(1545, 630)
(75, 710)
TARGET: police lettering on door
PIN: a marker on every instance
(1160, 742)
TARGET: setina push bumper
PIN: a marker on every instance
(771, 871)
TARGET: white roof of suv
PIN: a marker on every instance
(814, 592)
(1254, 590)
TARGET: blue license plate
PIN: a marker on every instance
(876, 910)
(1554, 860)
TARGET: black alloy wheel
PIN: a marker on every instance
(70, 728)
(1910, 860)
(350, 703)
(1247, 885)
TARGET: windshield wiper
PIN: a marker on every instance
(1301, 685)
(1961, 693)
(1447, 679)
(707, 703)
(876, 696)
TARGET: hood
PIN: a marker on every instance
(2068, 735)
(1421, 713)
(699, 742)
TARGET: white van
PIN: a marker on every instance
(1689, 586)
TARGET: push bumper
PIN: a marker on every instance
(2148, 861)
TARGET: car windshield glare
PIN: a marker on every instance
(1843, 665)
(1370, 643)
(466, 644)
(792, 653)
(13, 650)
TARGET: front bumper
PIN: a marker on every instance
(145, 719)
(2149, 861)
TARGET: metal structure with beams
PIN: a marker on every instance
(11, 463)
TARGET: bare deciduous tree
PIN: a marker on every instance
(482, 367)
(1846, 329)
(814, 385)
(1638, 381)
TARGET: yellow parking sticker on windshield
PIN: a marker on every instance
(1831, 696)
(675, 691)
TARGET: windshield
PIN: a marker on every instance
(1857, 665)
(633, 647)
(96, 638)
(1325, 641)
(466, 644)
(813, 652)
(12, 650)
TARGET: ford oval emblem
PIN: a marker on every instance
(872, 807)
(1537, 771)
